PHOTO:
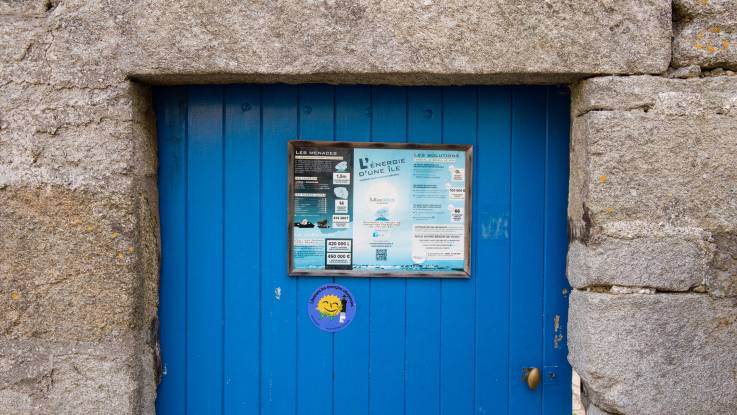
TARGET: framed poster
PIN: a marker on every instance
(379, 209)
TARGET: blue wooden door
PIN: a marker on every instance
(235, 334)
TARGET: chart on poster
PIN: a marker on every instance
(379, 209)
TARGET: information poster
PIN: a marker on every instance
(379, 209)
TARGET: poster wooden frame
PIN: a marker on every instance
(468, 212)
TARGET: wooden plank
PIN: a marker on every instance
(278, 290)
(491, 244)
(458, 296)
(242, 249)
(422, 348)
(527, 219)
(314, 347)
(387, 308)
(556, 370)
(171, 114)
(351, 351)
(205, 251)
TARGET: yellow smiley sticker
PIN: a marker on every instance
(329, 305)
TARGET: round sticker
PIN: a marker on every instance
(331, 307)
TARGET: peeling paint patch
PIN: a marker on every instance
(277, 293)
(556, 340)
(558, 337)
(495, 228)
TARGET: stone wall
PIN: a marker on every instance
(653, 213)
(652, 200)
(78, 218)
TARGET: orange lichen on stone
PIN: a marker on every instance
(14, 296)
(602, 179)
(711, 49)
(698, 46)
(725, 44)
(700, 35)
(714, 29)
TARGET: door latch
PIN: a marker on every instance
(532, 377)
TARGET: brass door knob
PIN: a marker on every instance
(532, 377)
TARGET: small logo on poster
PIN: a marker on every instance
(331, 308)
(341, 206)
(341, 192)
(456, 213)
(341, 178)
(342, 166)
(458, 175)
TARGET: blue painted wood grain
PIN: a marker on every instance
(527, 250)
(205, 237)
(278, 291)
(242, 248)
(234, 330)
(556, 370)
(491, 244)
(171, 111)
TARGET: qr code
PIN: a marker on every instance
(381, 254)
